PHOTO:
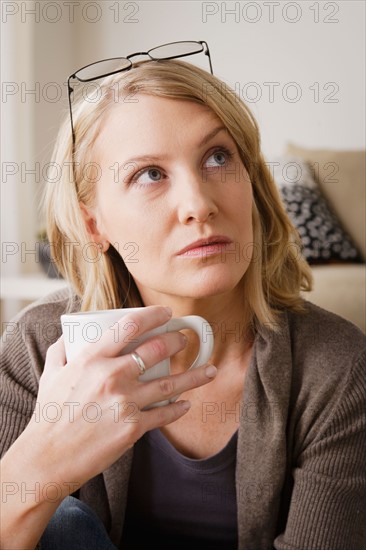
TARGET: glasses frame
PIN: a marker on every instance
(202, 43)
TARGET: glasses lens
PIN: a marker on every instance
(102, 68)
(175, 49)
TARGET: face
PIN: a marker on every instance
(174, 199)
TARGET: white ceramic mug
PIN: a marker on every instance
(82, 328)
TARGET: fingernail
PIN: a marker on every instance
(186, 405)
(184, 339)
(211, 371)
(169, 311)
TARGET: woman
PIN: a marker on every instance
(266, 448)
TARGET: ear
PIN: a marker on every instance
(91, 226)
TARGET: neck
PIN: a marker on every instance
(227, 315)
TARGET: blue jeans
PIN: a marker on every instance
(75, 526)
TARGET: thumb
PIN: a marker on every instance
(56, 355)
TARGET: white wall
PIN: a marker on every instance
(310, 54)
(258, 47)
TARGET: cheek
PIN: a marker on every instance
(138, 242)
(115, 216)
(241, 205)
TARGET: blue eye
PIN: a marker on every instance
(218, 158)
(154, 174)
(147, 176)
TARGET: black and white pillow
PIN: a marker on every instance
(323, 237)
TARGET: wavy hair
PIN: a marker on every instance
(277, 272)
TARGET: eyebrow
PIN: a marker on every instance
(153, 158)
(211, 135)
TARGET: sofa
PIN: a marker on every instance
(324, 193)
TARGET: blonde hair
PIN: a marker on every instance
(277, 272)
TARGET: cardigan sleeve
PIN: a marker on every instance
(328, 504)
(18, 386)
(24, 343)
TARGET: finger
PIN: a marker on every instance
(130, 327)
(166, 414)
(56, 355)
(168, 387)
(156, 349)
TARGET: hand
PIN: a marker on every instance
(90, 410)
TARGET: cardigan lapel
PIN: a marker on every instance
(261, 454)
(116, 479)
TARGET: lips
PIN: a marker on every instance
(207, 242)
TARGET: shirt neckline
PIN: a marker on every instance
(213, 463)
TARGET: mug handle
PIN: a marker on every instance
(204, 333)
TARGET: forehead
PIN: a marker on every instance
(149, 122)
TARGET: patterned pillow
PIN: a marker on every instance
(323, 238)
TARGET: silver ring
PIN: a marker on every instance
(139, 362)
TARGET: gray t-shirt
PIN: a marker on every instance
(180, 502)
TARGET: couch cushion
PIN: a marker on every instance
(342, 290)
(341, 177)
(323, 238)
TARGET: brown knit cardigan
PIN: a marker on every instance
(301, 457)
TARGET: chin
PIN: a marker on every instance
(210, 285)
(214, 280)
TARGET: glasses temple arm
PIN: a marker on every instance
(70, 91)
(207, 52)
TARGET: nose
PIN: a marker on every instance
(196, 200)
